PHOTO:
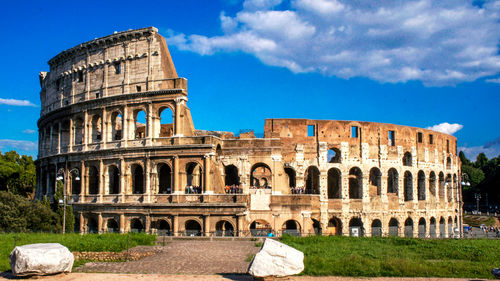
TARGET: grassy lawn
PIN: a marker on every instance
(474, 220)
(74, 242)
(350, 256)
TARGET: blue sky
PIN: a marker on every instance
(415, 63)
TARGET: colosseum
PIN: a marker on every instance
(116, 129)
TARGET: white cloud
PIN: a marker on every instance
(496, 80)
(446, 128)
(16, 102)
(18, 144)
(491, 149)
(436, 42)
(29, 131)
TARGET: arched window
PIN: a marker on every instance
(392, 181)
(333, 155)
(165, 179)
(334, 183)
(232, 177)
(65, 133)
(393, 227)
(139, 124)
(194, 174)
(432, 183)
(421, 228)
(432, 229)
(76, 186)
(290, 172)
(312, 180)
(96, 129)
(334, 226)
(450, 227)
(291, 227)
(421, 185)
(93, 180)
(166, 122)
(356, 228)
(163, 228)
(193, 228)
(375, 181)
(408, 186)
(441, 186)
(260, 228)
(224, 228)
(376, 228)
(355, 183)
(78, 131)
(448, 163)
(114, 180)
(449, 186)
(409, 227)
(116, 126)
(92, 225)
(442, 228)
(137, 179)
(136, 225)
(407, 159)
(316, 227)
(112, 226)
(261, 176)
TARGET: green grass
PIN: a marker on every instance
(250, 257)
(397, 257)
(74, 242)
(474, 220)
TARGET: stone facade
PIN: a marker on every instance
(115, 124)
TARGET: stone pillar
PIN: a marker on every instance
(82, 223)
(99, 223)
(147, 179)
(175, 225)
(83, 181)
(71, 136)
(123, 186)
(148, 224)
(51, 141)
(149, 124)
(85, 130)
(104, 128)
(176, 175)
(177, 125)
(125, 136)
(240, 226)
(206, 224)
(59, 138)
(101, 180)
(122, 223)
(383, 189)
(207, 178)
(366, 188)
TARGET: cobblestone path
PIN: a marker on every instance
(185, 257)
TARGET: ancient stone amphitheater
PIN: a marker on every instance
(115, 128)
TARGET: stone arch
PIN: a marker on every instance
(432, 228)
(422, 227)
(164, 178)
(393, 227)
(93, 180)
(140, 124)
(116, 126)
(291, 227)
(194, 176)
(137, 179)
(92, 225)
(78, 131)
(334, 155)
(261, 176)
(76, 184)
(166, 122)
(312, 180)
(449, 188)
(317, 227)
(136, 225)
(231, 175)
(421, 185)
(163, 228)
(334, 226)
(96, 128)
(432, 183)
(334, 183)
(192, 228)
(450, 227)
(448, 163)
(356, 227)
(407, 159)
(409, 227)
(292, 177)
(260, 228)
(408, 186)
(442, 228)
(375, 181)
(392, 181)
(355, 183)
(224, 228)
(112, 226)
(114, 180)
(441, 186)
(376, 228)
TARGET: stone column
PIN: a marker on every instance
(123, 186)
(147, 179)
(99, 223)
(85, 130)
(101, 180)
(366, 188)
(148, 224)
(149, 124)
(240, 226)
(125, 126)
(104, 128)
(83, 182)
(175, 225)
(383, 189)
(176, 175)
(207, 178)
(206, 224)
(51, 141)
(177, 130)
(122, 223)
(71, 136)
(82, 221)
(59, 139)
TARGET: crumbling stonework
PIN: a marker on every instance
(159, 174)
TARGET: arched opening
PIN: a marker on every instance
(375, 182)
(112, 226)
(408, 186)
(312, 180)
(422, 228)
(334, 226)
(260, 228)
(355, 183)
(333, 155)
(137, 179)
(450, 227)
(193, 228)
(421, 185)
(432, 228)
(441, 186)
(114, 180)
(96, 128)
(442, 227)
(316, 227)
(166, 122)
(218, 150)
(76, 228)
(194, 178)
(224, 228)
(454, 188)
(93, 179)
(376, 228)
(393, 227)
(232, 178)
(291, 175)
(65, 134)
(139, 124)
(291, 227)
(55, 137)
(432, 183)
(449, 190)
(78, 131)
(76, 186)
(334, 183)
(407, 159)
(356, 227)
(392, 181)
(92, 226)
(116, 126)
(164, 179)
(163, 228)
(136, 225)
(261, 176)
(448, 163)
(409, 227)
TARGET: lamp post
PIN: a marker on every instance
(464, 181)
(61, 175)
(478, 197)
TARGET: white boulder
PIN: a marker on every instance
(41, 259)
(276, 259)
